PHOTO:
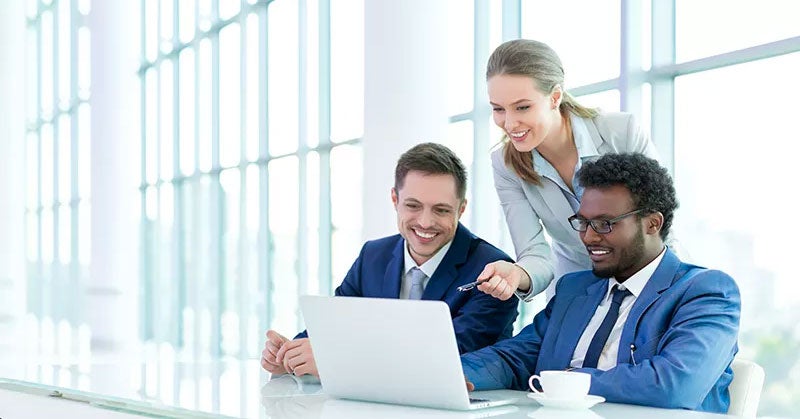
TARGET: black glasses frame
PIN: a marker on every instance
(581, 224)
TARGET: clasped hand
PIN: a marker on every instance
(282, 356)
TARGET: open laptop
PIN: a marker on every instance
(389, 351)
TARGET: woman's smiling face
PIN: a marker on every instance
(524, 113)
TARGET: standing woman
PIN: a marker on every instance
(548, 137)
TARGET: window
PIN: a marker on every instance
(731, 179)
(587, 58)
(57, 207)
(746, 24)
(242, 166)
(688, 85)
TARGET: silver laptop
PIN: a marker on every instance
(389, 351)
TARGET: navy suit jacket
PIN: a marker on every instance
(479, 319)
(683, 326)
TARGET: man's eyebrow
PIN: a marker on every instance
(597, 217)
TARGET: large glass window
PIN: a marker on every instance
(731, 180)
(725, 171)
(745, 24)
(587, 58)
(57, 207)
(242, 164)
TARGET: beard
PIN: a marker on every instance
(629, 258)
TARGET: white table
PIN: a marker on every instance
(284, 398)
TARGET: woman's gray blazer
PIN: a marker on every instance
(531, 210)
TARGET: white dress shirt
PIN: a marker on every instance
(428, 268)
(635, 284)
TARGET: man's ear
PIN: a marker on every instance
(462, 207)
(394, 197)
(654, 222)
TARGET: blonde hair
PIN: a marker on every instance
(534, 59)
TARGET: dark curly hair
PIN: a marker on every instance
(650, 184)
(431, 159)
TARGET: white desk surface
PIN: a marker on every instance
(284, 398)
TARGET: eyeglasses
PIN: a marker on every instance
(599, 226)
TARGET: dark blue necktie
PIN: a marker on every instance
(601, 336)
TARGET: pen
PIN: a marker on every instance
(471, 285)
(633, 360)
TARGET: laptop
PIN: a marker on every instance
(390, 351)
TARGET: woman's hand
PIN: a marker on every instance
(502, 279)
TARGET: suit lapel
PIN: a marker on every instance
(447, 272)
(393, 274)
(661, 279)
(576, 318)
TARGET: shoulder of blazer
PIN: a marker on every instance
(613, 126)
(382, 249)
(613, 121)
(576, 283)
(382, 242)
(499, 161)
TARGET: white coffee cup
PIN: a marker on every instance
(562, 384)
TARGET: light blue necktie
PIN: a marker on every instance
(600, 337)
(417, 281)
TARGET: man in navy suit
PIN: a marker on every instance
(649, 329)
(431, 257)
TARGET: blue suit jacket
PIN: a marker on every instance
(684, 326)
(479, 319)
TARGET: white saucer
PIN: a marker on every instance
(582, 403)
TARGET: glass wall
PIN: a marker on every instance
(731, 178)
(252, 117)
(733, 142)
(57, 207)
(252, 113)
(658, 61)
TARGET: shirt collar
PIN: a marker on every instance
(583, 141)
(429, 267)
(586, 151)
(635, 284)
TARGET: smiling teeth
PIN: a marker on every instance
(425, 235)
(599, 252)
(518, 134)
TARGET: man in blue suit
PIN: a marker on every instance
(649, 329)
(431, 257)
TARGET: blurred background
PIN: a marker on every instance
(175, 173)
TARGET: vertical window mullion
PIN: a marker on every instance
(302, 229)
(59, 311)
(325, 220)
(145, 330)
(663, 90)
(179, 183)
(75, 198)
(512, 21)
(264, 237)
(216, 214)
(629, 82)
(243, 296)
